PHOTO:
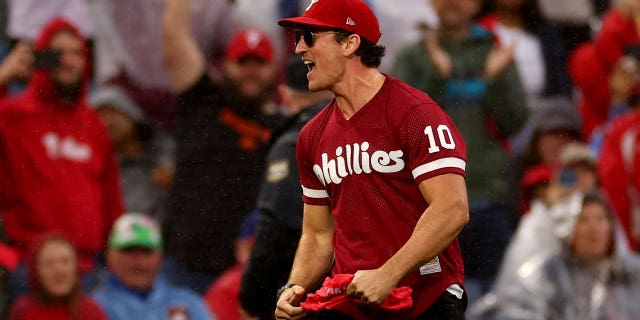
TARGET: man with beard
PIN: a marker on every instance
(222, 137)
(57, 167)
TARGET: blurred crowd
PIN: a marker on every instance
(147, 152)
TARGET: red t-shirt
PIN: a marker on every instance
(367, 169)
(27, 308)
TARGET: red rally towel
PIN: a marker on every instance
(333, 295)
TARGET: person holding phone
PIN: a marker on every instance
(57, 167)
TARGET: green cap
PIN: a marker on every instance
(135, 230)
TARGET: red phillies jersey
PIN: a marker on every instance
(367, 169)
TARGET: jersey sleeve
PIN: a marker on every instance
(313, 189)
(432, 143)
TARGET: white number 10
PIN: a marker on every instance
(446, 141)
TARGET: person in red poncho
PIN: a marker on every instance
(54, 282)
(57, 167)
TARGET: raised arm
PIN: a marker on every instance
(17, 64)
(185, 61)
(312, 261)
(438, 226)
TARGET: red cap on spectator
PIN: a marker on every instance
(250, 42)
(536, 175)
(350, 15)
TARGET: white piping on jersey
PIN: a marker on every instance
(313, 193)
(439, 164)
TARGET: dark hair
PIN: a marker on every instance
(370, 54)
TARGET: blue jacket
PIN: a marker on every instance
(163, 301)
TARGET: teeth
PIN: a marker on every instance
(307, 62)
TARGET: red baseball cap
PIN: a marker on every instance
(250, 42)
(350, 15)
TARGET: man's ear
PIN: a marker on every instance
(351, 44)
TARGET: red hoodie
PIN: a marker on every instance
(591, 63)
(57, 168)
(28, 307)
(619, 171)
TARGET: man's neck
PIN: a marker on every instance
(357, 90)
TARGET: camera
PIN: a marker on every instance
(568, 177)
(47, 59)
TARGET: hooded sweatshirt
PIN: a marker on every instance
(57, 168)
(29, 307)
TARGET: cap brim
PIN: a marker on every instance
(127, 245)
(303, 22)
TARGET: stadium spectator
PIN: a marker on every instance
(592, 63)
(591, 275)
(134, 289)
(57, 167)
(145, 151)
(619, 169)
(477, 85)
(222, 140)
(54, 281)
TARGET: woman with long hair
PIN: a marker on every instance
(54, 281)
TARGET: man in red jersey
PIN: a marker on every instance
(57, 167)
(382, 172)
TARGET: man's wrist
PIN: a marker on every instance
(283, 288)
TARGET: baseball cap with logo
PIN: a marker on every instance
(250, 42)
(350, 15)
(135, 230)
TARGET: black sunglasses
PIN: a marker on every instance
(308, 36)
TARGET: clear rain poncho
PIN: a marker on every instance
(541, 279)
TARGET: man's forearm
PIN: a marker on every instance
(176, 18)
(312, 262)
(182, 55)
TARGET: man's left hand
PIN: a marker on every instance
(371, 286)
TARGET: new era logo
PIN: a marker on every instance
(311, 4)
(350, 22)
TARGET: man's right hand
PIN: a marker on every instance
(438, 56)
(288, 306)
(18, 64)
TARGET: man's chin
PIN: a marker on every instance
(68, 90)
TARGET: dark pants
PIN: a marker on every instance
(447, 307)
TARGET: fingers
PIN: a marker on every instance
(288, 304)
(298, 294)
(354, 291)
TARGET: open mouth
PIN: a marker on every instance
(310, 65)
